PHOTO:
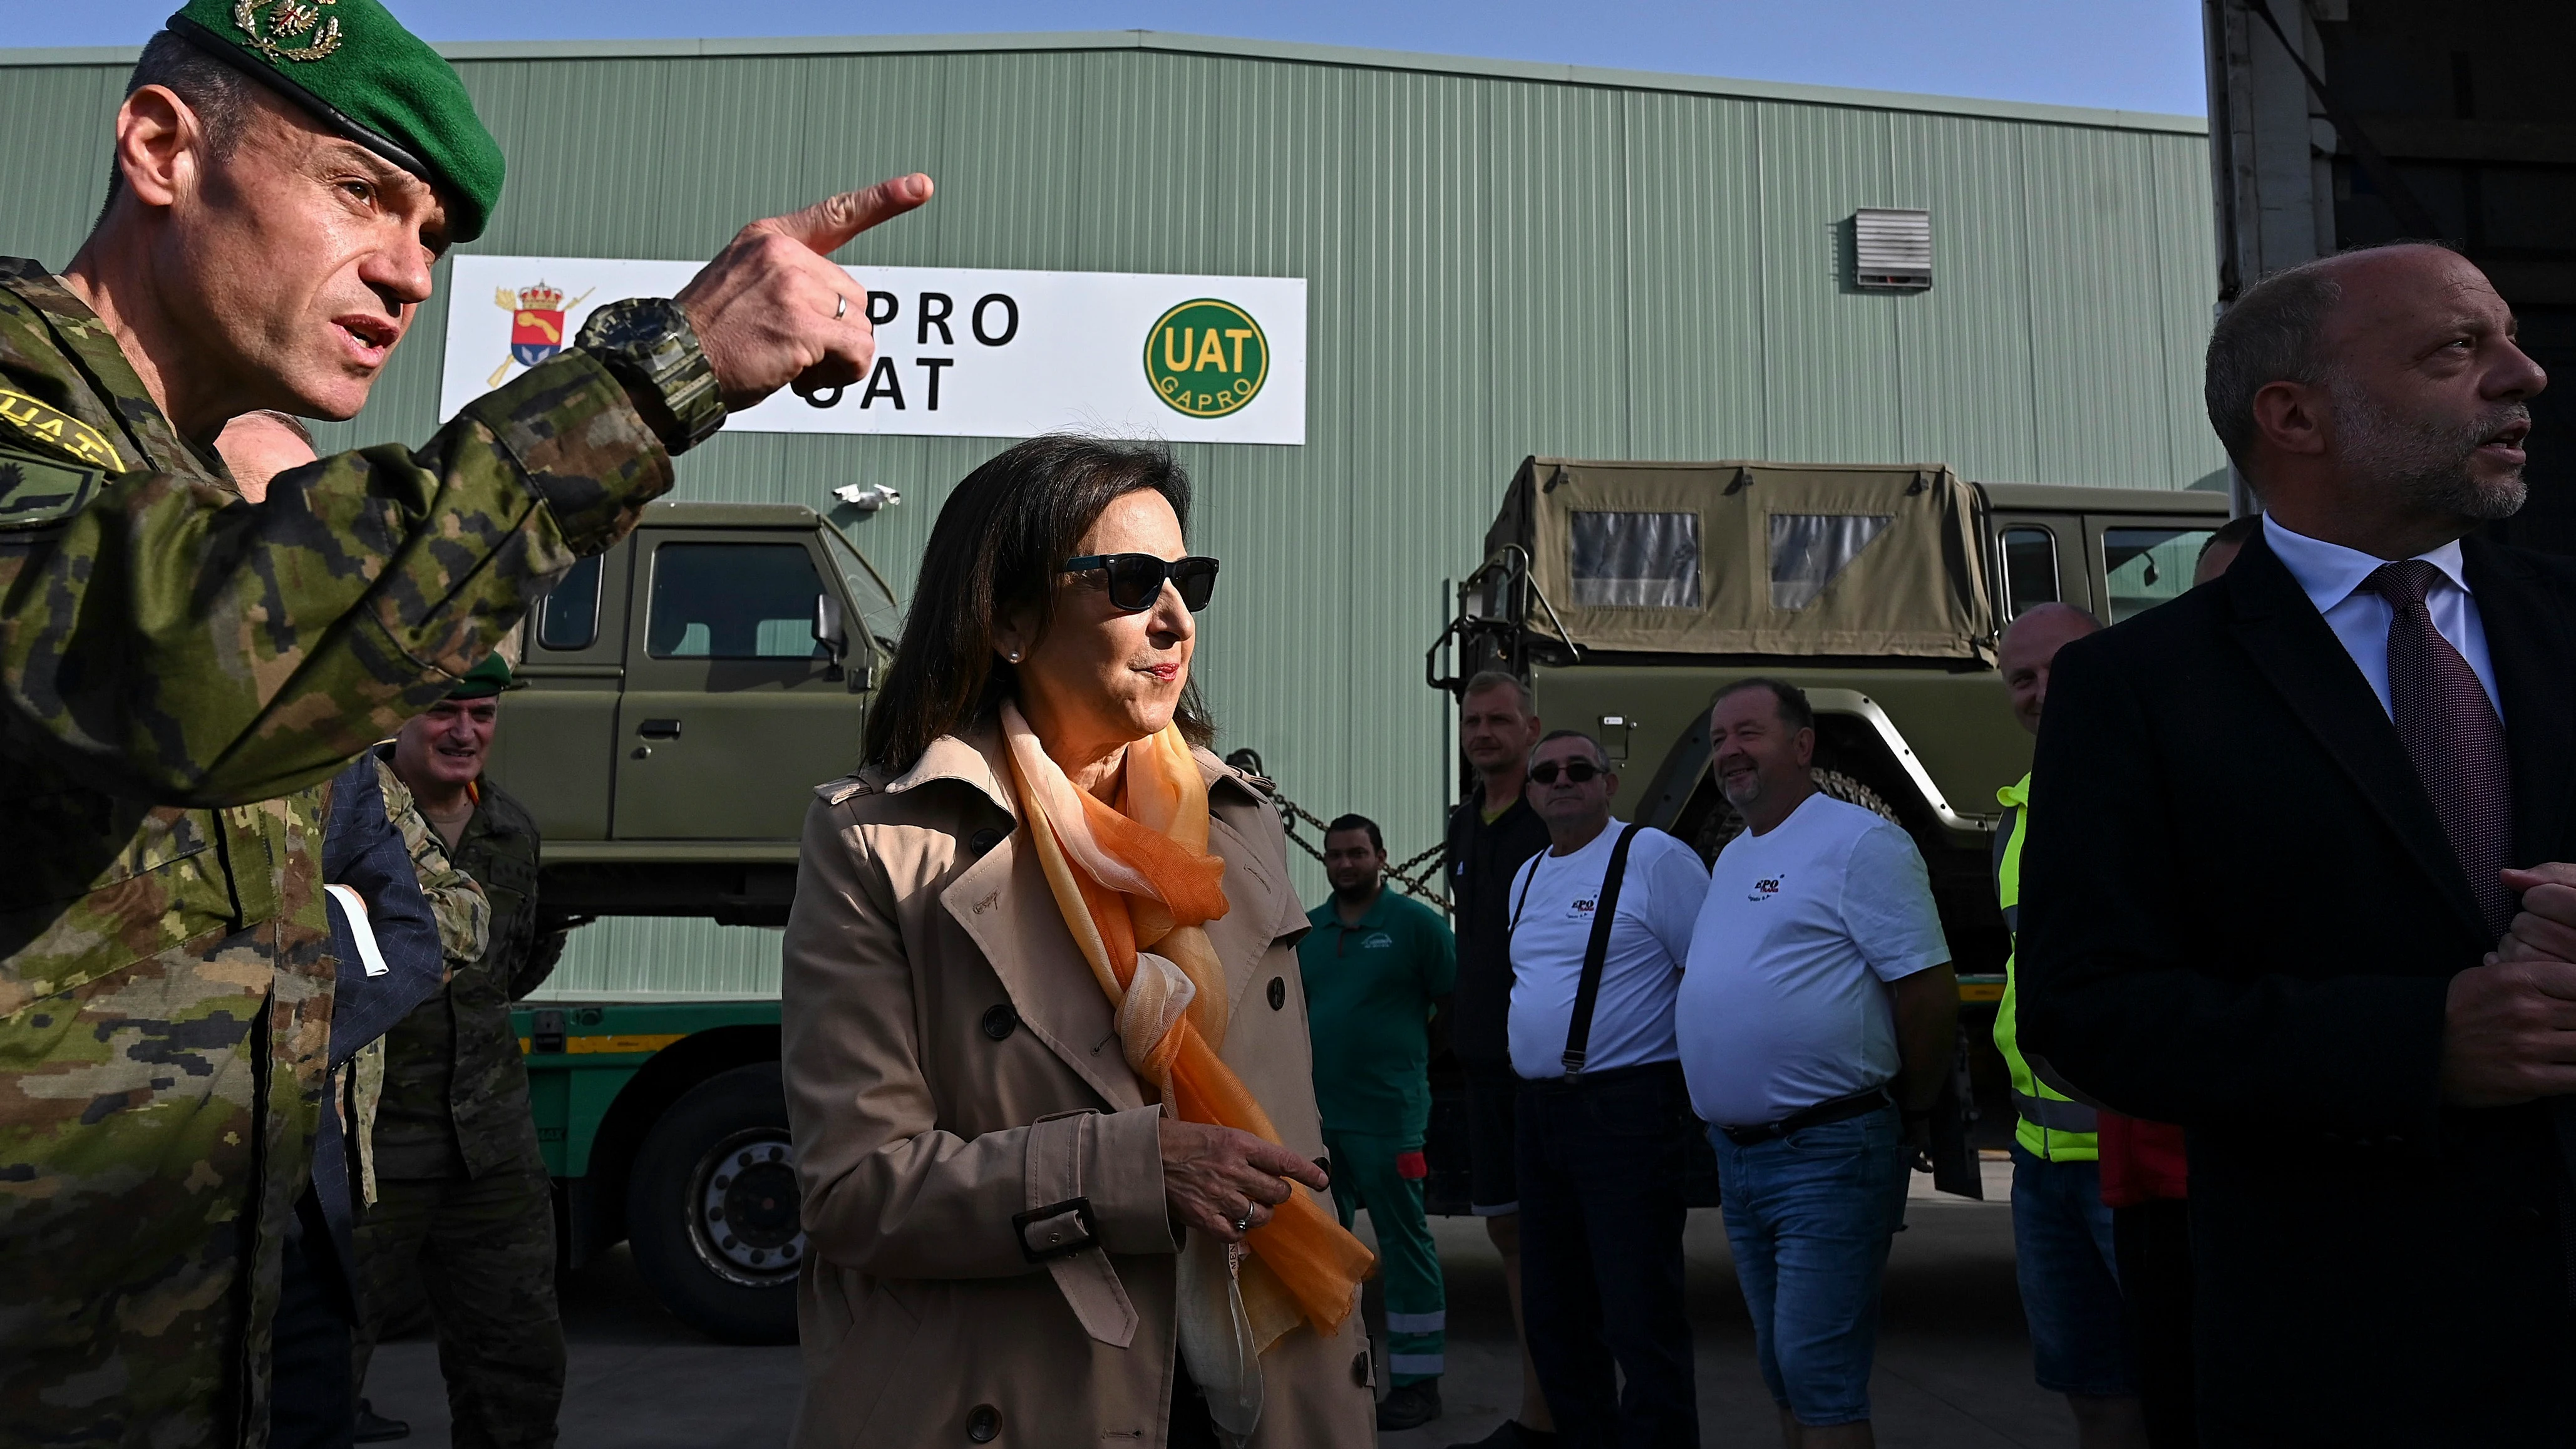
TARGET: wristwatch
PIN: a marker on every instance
(648, 344)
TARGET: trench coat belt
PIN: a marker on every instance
(1052, 1180)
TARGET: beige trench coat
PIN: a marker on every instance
(950, 1064)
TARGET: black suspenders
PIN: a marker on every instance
(1578, 1031)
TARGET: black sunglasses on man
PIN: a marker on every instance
(1136, 579)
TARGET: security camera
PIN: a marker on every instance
(867, 498)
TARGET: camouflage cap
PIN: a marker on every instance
(352, 65)
(484, 680)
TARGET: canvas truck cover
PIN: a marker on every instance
(1752, 558)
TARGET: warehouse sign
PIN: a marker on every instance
(960, 353)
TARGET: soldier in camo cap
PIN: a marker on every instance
(179, 667)
(464, 1211)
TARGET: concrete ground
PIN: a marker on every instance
(1953, 1356)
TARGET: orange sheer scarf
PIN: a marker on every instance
(1139, 880)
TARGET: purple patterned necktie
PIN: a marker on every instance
(2451, 734)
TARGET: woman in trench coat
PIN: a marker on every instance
(1008, 1230)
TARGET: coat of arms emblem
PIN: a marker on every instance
(536, 324)
(286, 21)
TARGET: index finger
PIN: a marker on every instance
(828, 223)
(2548, 872)
(1279, 1161)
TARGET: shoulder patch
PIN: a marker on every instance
(57, 431)
(38, 492)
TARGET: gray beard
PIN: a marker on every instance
(2425, 462)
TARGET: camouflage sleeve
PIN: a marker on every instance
(464, 917)
(539, 963)
(173, 644)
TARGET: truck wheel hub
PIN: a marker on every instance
(745, 1223)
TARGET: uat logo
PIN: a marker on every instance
(1206, 358)
(536, 324)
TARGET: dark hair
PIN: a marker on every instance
(2269, 334)
(1795, 712)
(219, 93)
(1600, 756)
(2234, 531)
(1485, 679)
(1356, 822)
(995, 551)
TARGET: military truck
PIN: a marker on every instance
(1625, 594)
(684, 691)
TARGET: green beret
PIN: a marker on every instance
(352, 65)
(484, 680)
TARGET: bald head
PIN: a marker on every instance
(2375, 398)
(2030, 646)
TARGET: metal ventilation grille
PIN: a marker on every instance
(1891, 249)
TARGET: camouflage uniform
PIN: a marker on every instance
(168, 654)
(464, 932)
(463, 1199)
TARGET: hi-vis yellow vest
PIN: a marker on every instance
(2047, 1125)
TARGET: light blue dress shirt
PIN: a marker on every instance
(2331, 575)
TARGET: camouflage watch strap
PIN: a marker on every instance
(648, 343)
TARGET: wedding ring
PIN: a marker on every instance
(1243, 1224)
(843, 310)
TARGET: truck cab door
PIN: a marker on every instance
(556, 742)
(732, 710)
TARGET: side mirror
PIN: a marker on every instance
(827, 626)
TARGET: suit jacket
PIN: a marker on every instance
(2239, 913)
(950, 1063)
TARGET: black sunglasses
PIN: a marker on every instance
(1136, 579)
(1577, 771)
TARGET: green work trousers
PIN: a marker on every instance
(1371, 1172)
(484, 1249)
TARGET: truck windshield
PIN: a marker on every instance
(2147, 566)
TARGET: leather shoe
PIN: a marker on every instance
(375, 1428)
(1410, 1406)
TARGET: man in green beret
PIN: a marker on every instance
(463, 1208)
(179, 666)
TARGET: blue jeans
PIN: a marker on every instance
(1809, 1216)
(1600, 1168)
(2070, 1278)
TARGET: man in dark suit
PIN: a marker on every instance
(2262, 901)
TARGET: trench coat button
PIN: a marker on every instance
(983, 1424)
(1360, 1368)
(1278, 992)
(1324, 1164)
(1000, 1022)
(984, 840)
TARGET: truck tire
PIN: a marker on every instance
(1722, 824)
(711, 1209)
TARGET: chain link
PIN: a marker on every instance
(1425, 887)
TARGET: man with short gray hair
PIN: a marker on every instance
(1601, 922)
(2352, 987)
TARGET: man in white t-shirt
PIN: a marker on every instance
(1604, 1115)
(1817, 1018)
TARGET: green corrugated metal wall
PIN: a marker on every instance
(1502, 260)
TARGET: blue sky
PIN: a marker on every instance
(2133, 54)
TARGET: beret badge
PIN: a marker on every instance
(279, 29)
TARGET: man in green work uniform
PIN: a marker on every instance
(1374, 965)
(462, 1198)
(2063, 1249)
(178, 665)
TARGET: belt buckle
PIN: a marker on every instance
(1080, 1207)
